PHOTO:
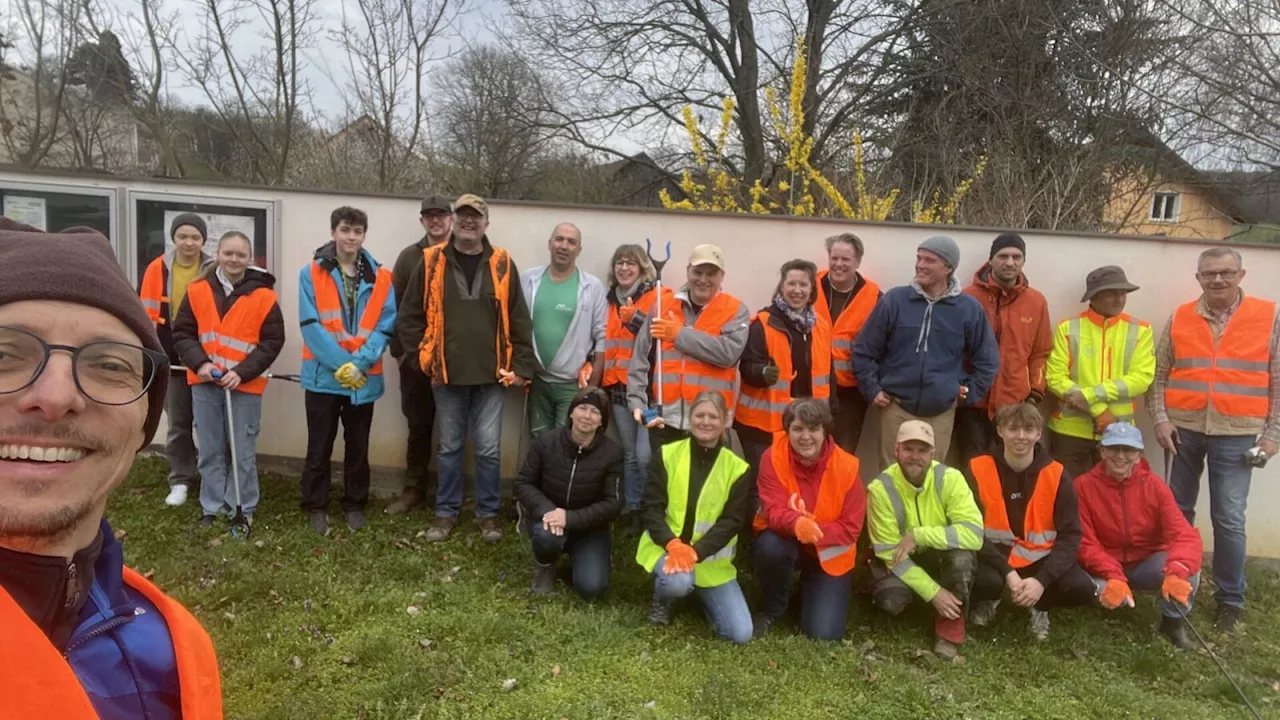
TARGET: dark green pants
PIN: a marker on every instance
(549, 404)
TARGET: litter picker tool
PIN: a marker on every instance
(1182, 611)
(653, 413)
(240, 527)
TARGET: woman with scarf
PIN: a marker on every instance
(631, 299)
(788, 356)
(228, 332)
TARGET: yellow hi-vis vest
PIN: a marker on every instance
(1111, 360)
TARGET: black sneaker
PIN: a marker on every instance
(1226, 619)
(1176, 630)
(659, 612)
(544, 578)
(319, 521)
(207, 521)
(355, 519)
(761, 624)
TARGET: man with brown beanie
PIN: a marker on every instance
(82, 386)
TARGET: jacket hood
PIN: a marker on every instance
(327, 255)
(1040, 457)
(255, 278)
(982, 278)
(953, 289)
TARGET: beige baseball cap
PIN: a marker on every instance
(472, 201)
(916, 430)
(707, 255)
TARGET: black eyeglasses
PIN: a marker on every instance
(1227, 275)
(108, 373)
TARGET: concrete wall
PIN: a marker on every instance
(754, 248)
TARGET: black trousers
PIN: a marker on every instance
(975, 431)
(418, 404)
(851, 411)
(324, 412)
(1075, 587)
(1077, 455)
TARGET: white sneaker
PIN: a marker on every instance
(177, 496)
(1039, 624)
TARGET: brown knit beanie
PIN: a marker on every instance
(78, 265)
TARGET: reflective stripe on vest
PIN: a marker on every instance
(684, 376)
(230, 338)
(1119, 342)
(762, 408)
(845, 329)
(431, 350)
(1038, 526)
(1232, 373)
(619, 341)
(329, 312)
(153, 293)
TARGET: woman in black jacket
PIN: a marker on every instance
(569, 491)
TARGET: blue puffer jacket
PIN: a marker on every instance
(317, 373)
(915, 350)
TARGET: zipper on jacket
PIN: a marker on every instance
(1124, 519)
(568, 494)
(100, 629)
(73, 587)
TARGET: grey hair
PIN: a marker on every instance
(810, 412)
(567, 224)
(848, 238)
(1218, 252)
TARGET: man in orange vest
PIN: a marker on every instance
(845, 301)
(163, 286)
(347, 312)
(82, 637)
(1216, 397)
(703, 332)
(1031, 527)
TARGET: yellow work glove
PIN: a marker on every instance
(350, 377)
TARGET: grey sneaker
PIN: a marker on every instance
(355, 519)
(659, 612)
(408, 500)
(1039, 624)
(544, 578)
(206, 521)
(440, 528)
(945, 650)
(319, 521)
(983, 613)
(491, 530)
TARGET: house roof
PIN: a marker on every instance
(1255, 194)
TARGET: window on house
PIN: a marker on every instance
(1164, 207)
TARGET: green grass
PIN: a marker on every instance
(339, 606)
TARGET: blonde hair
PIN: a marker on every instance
(715, 398)
(636, 254)
(228, 235)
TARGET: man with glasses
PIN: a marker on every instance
(416, 401)
(82, 385)
(1215, 398)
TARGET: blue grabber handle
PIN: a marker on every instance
(648, 415)
(657, 264)
(217, 374)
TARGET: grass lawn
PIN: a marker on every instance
(379, 625)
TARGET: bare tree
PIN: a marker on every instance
(32, 93)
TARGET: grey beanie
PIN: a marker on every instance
(945, 248)
(191, 219)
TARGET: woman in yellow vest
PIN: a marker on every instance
(695, 504)
(788, 355)
(229, 331)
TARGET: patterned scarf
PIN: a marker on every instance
(803, 319)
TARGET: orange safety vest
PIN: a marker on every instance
(229, 340)
(1038, 527)
(762, 408)
(684, 376)
(619, 341)
(329, 310)
(153, 292)
(431, 349)
(1234, 372)
(845, 329)
(36, 681)
(837, 480)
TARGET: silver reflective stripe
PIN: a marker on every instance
(881, 547)
(1122, 389)
(833, 552)
(752, 403)
(341, 335)
(1194, 363)
(610, 363)
(702, 527)
(672, 354)
(670, 379)
(234, 344)
(1250, 365)
(841, 344)
(1038, 538)
(208, 337)
(998, 535)
(939, 472)
(1100, 392)
(953, 536)
(974, 528)
(1240, 390)
(842, 365)
(726, 553)
(904, 567)
(780, 386)
(151, 304)
(709, 383)
(327, 315)
(1130, 345)
(618, 344)
(1028, 554)
(899, 510)
(823, 381)
(364, 333)
(1073, 343)
(1189, 385)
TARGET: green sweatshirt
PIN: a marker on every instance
(941, 514)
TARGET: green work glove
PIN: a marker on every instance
(770, 373)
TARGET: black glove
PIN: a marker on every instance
(770, 373)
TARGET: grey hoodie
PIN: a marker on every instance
(586, 331)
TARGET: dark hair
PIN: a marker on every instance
(804, 266)
(636, 254)
(848, 238)
(594, 396)
(809, 411)
(349, 215)
(228, 235)
(1023, 415)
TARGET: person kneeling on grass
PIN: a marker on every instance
(1134, 536)
(802, 470)
(1031, 527)
(696, 503)
(569, 491)
(924, 524)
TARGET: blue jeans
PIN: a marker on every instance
(1148, 575)
(824, 599)
(217, 484)
(477, 408)
(725, 607)
(635, 453)
(1229, 480)
(589, 551)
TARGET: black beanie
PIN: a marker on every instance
(1007, 240)
(194, 221)
(77, 265)
(592, 395)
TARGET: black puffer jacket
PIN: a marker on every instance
(586, 482)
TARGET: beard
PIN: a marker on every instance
(32, 529)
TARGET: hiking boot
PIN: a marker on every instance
(544, 578)
(945, 650)
(408, 500)
(659, 611)
(440, 528)
(983, 613)
(490, 530)
(355, 519)
(177, 496)
(319, 521)
(1176, 630)
(1040, 624)
(761, 624)
(1226, 619)
(207, 521)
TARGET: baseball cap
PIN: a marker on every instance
(916, 430)
(706, 255)
(436, 202)
(1123, 435)
(472, 201)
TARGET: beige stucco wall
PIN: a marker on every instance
(1129, 212)
(754, 248)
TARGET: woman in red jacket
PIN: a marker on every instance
(812, 509)
(1134, 536)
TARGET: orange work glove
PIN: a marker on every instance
(680, 558)
(584, 375)
(1176, 589)
(665, 328)
(1104, 420)
(807, 531)
(1116, 593)
(627, 312)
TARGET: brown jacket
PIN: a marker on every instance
(1019, 318)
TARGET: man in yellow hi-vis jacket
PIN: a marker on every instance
(1102, 360)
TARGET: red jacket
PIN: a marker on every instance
(782, 520)
(1019, 318)
(1127, 522)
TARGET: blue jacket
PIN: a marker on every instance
(317, 374)
(915, 351)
